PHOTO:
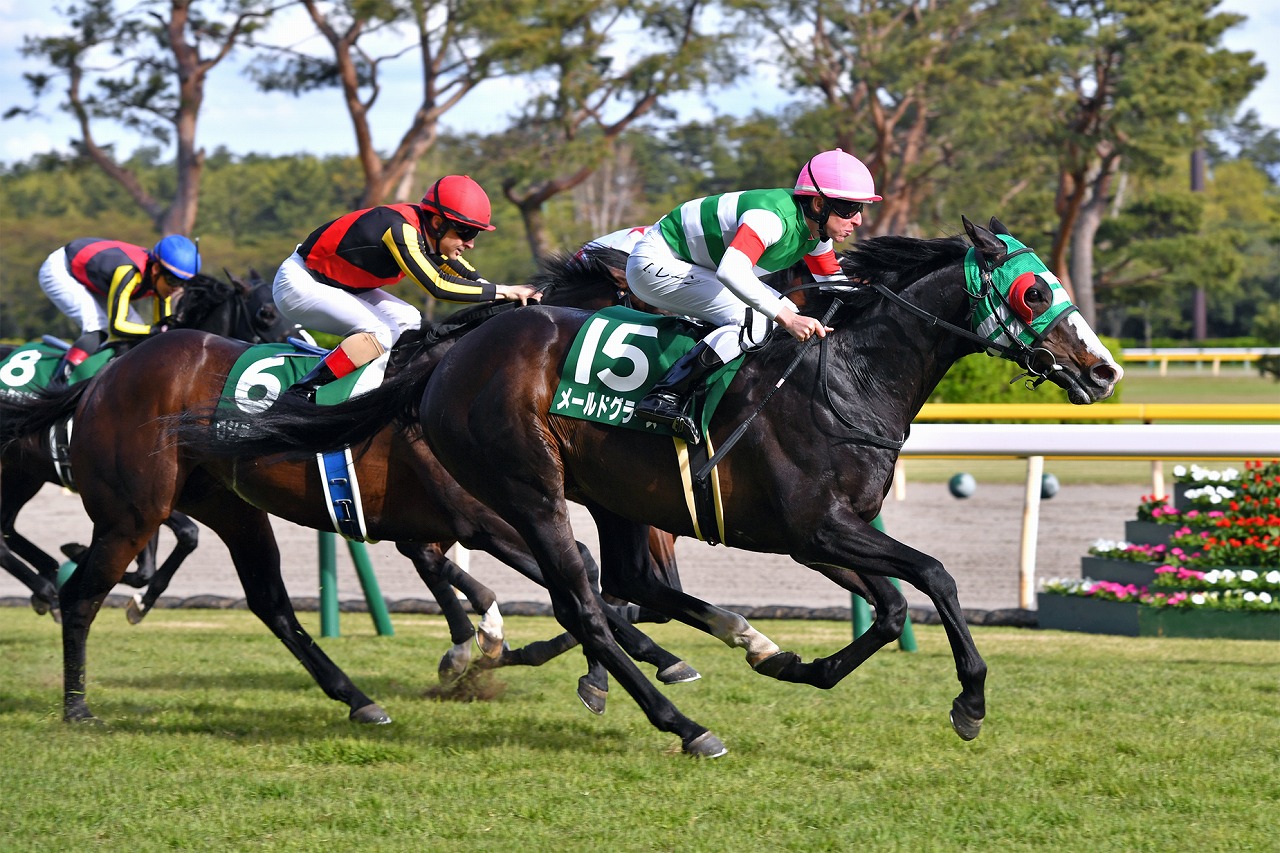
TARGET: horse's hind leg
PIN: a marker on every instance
(187, 533)
(146, 562)
(248, 536)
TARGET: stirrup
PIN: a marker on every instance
(666, 410)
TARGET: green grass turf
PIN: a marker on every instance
(215, 739)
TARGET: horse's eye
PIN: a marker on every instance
(1035, 295)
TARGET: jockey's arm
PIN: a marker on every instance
(125, 282)
(452, 281)
(737, 273)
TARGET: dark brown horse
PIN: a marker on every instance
(235, 308)
(132, 475)
(809, 473)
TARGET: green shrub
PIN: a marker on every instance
(986, 379)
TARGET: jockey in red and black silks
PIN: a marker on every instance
(95, 282)
(334, 282)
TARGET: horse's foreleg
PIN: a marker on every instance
(891, 615)
(44, 592)
(247, 534)
(187, 533)
(875, 553)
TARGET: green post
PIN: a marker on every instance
(372, 592)
(328, 586)
(862, 610)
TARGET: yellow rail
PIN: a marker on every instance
(1144, 412)
(1215, 359)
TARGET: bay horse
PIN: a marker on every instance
(810, 469)
(132, 474)
(235, 308)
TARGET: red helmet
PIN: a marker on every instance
(459, 199)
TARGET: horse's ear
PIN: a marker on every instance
(983, 240)
(997, 227)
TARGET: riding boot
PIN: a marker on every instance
(321, 374)
(669, 402)
(354, 352)
(85, 346)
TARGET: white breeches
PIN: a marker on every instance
(664, 281)
(323, 308)
(74, 299)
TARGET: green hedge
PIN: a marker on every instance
(982, 378)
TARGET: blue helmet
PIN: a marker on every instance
(178, 255)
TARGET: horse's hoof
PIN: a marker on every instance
(774, 665)
(40, 606)
(135, 611)
(967, 727)
(56, 613)
(491, 644)
(593, 697)
(678, 673)
(454, 664)
(371, 714)
(705, 745)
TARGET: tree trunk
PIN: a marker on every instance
(1086, 228)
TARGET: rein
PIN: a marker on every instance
(1038, 362)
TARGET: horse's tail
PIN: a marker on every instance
(293, 426)
(23, 415)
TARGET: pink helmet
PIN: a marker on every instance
(835, 174)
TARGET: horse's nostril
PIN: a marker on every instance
(1103, 373)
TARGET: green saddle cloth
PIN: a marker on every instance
(264, 371)
(29, 368)
(618, 355)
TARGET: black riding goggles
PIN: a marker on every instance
(844, 209)
(465, 232)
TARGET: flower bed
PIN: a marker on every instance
(1132, 619)
(1208, 566)
(1101, 607)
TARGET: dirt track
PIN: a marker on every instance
(977, 539)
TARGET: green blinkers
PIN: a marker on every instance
(995, 318)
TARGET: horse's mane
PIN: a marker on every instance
(200, 295)
(579, 278)
(893, 260)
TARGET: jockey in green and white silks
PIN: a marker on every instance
(705, 258)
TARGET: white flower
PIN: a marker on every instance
(1179, 470)
(1214, 499)
(1273, 576)
(1248, 575)
(1199, 598)
(1212, 576)
(1250, 596)
(1264, 597)
(1225, 492)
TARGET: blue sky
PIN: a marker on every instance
(246, 121)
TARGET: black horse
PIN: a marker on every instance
(807, 475)
(235, 308)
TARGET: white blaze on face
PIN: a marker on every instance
(1092, 343)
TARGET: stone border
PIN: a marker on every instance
(1009, 618)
